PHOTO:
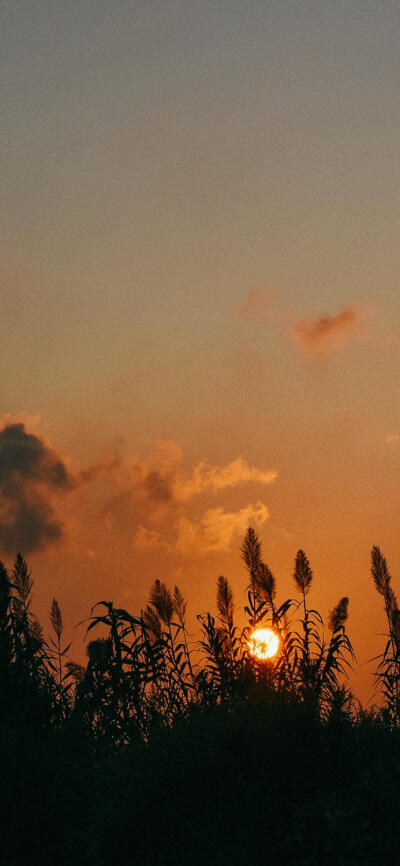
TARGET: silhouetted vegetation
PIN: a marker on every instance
(163, 749)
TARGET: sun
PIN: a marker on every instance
(263, 644)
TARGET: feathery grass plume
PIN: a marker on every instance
(302, 576)
(230, 642)
(251, 550)
(339, 614)
(382, 579)
(266, 584)
(57, 625)
(379, 569)
(162, 601)
(251, 554)
(302, 572)
(23, 584)
(152, 622)
(180, 606)
(172, 662)
(225, 601)
(56, 618)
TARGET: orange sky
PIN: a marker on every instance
(199, 299)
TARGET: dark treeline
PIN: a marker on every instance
(165, 750)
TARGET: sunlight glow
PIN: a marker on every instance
(263, 644)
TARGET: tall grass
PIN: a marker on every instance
(144, 670)
(165, 748)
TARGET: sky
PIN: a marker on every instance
(199, 298)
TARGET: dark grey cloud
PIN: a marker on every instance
(30, 474)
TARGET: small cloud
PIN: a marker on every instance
(392, 439)
(326, 334)
(217, 528)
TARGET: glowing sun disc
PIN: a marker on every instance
(263, 644)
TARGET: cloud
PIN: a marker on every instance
(119, 495)
(31, 474)
(216, 478)
(151, 495)
(323, 335)
(217, 528)
(158, 483)
(161, 480)
(326, 334)
(155, 479)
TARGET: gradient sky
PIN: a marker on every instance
(200, 224)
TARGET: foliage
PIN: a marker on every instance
(144, 670)
(200, 733)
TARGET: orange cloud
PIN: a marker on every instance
(160, 482)
(326, 334)
(323, 335)
(216, 478)
(217, 528)
(147, 495)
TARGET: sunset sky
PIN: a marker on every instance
(199, 298)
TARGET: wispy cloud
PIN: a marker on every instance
(160, 481)
(217, 528)
(216, 478)
(326, 334)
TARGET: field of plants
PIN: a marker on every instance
(168, 750)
